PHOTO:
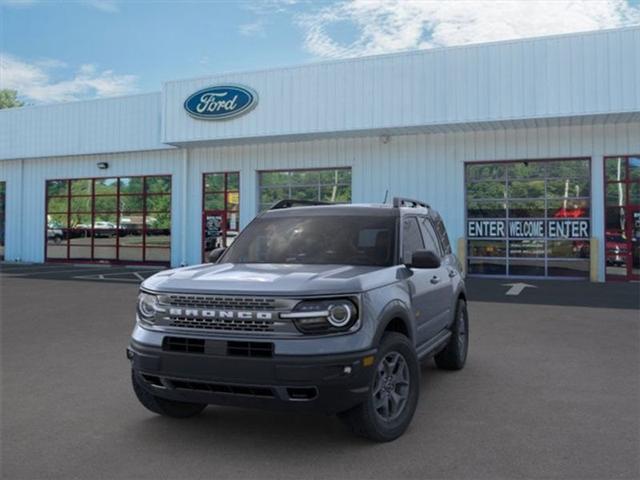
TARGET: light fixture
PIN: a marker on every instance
(102, 165)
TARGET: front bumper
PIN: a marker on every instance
(313, 383)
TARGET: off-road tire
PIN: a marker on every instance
(162, 406)
(365, 420)
(454, 355)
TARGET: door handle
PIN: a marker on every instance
(452, 273)
(435, 279)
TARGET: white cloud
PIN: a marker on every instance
(393, 25)
(34, 82)
(252, 29)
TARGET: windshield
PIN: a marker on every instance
(342, 240)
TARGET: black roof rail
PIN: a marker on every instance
(408, 202)
(290, 202)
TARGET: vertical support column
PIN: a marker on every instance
(249, 194)
(184, 184)
(462, 253)
(597, 219)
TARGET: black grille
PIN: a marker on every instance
(188, 345)
(250, 349)
(251, 390)
(222, 324)
(221, 302)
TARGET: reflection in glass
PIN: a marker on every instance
(568, 248)
(526, 248)
(106, 186)
(559, 268)
(486, 209)
(615, 169)
(131, 254)
(487, 266)
(487, 248)
(526, 267)
(616, 194)
(485, 190)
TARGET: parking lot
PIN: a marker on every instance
(551, 390)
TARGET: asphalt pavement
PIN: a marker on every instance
(549, 391)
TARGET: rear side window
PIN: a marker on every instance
(444, 238)
(430, 237)
(411, 238)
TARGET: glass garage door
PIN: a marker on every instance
(120, 219)
(528, 218)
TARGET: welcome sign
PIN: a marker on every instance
(221, 102)
(555, 229)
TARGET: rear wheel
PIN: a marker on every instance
(162, 406)
(393, 394)
(454, 355)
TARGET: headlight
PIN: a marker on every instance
(147, 307)
(324, 316)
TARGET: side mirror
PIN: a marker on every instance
(424, 259)
(215, 254)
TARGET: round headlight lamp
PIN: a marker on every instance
(147, 306)
(339, 314)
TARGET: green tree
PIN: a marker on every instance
(9, 99)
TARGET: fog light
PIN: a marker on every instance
(368, 361)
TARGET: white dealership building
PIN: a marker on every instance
(530, 150)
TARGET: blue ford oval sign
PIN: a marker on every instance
(221, 102)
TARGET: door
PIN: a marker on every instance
(633, 272)
(427, 285)
(220, 210)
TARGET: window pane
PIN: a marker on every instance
(214, 201)
(305, 177)
(158, 203)
(81, 187)
(57, 220)
(158, 184)
(616, 194)
(80, 220)
(486, 248)
(568, 188)
(526, 267)
(337, 194)
(615, 219)
(158, 238)
(526, 189)
(106, 204)
(526, 169)
(559, 268)
(485, 190)
(81, 204)
(107, 221)
(487, 266)
(130, 238)
(568, 168)
(568, 248)
(571, 208)
(411, 239)
(526, 248)
(57, 204)
(56, 244)
(490, 209)
(634, 168)
(526, 209)
(634, 193)
(159, 221)
(274, 178)
(485, 171)
(57, 187)
(214, 182)
(158, 255)
(106, 186)
(78, 252)
(233, 181)
(233, 199)
(615, 168)
(104, 252)
(104, 237)
(131, 185)
(131, 203)
(131, 254)
(304, 193)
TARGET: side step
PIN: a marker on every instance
(434, 344)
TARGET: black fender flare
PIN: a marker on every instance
(391, 311)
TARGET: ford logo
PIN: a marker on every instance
(221, 102)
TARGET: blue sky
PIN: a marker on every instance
(53, 51)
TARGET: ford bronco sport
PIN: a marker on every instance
(325, 308)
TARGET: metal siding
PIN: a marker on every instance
(532, 78)
(97, 126)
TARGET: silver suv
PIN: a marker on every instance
(325, 308)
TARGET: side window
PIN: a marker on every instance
(430, 238)
(411, 238)
(444, 238)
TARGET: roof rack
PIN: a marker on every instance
(408, 202)
(290, 202)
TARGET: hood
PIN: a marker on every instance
(271, 279)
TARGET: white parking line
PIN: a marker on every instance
(140, 277)
(43, 272)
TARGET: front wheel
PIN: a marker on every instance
(454, 355)
(393, 394)
(162, 406)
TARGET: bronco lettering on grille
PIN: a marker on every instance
(231, 314)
